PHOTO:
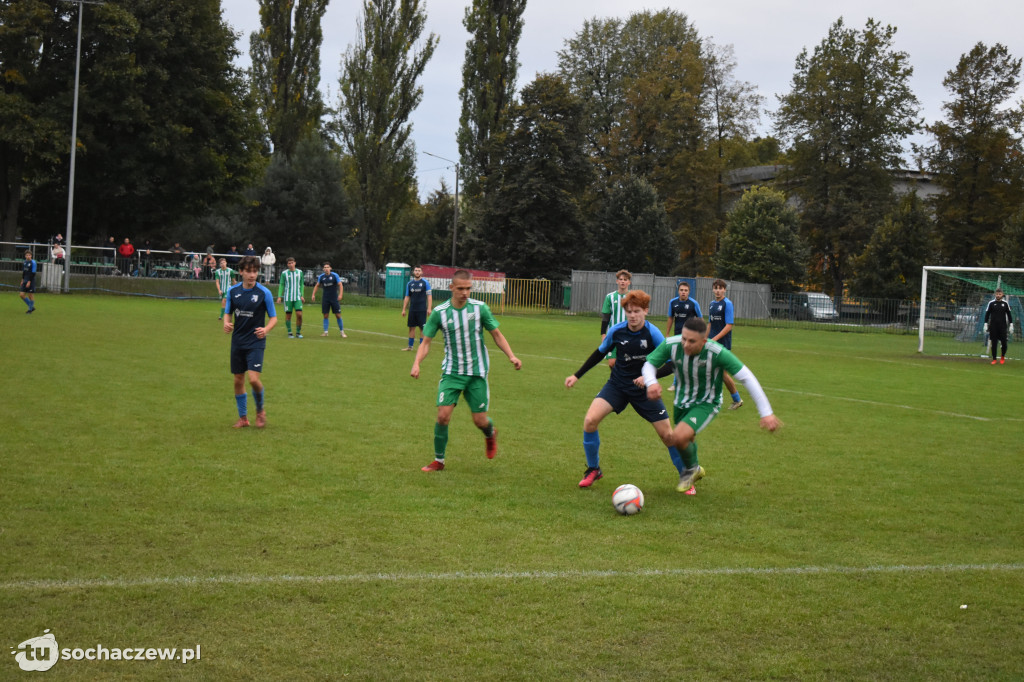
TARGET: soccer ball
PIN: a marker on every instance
(627, 499)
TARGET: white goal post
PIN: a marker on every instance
(953, 301)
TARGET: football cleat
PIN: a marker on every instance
(298, 336)
(689, 477)
(241, 423)
(691, 491)
(590, 475)
(1002, 361)
(737, 404)
(325, 334)
(492, 445)
(261, 419)
(993, 361)
(290, 335)
(344, 335)
(433, 466)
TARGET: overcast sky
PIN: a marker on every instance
(766, 37)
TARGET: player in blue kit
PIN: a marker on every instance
(720, 321)
(249, 315)
(680, 309)
(28, 282)
(633, 339)
(418, 302)
(333, 291)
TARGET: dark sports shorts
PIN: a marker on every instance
(417, 318)
(28, 287)
(328, 306)
(618, 398)
(246, 360)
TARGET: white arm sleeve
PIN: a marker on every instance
(650, 374)
(764, 408)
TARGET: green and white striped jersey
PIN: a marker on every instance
(290, 286)
(465, 353)
(224, 277)
(613, 305)
(699, 376)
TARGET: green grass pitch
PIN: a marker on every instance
(842, 547)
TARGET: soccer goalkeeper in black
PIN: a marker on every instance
(998, 321)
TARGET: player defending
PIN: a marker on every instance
(28, 282)
(462, 320)
(418, 302)
(290, 290)
(225, 278)
(720, 321)
(680, 309)
(333, 291)
(611, 311)
(250, 317)
(998, 320)
(700, 365)
(634, 339)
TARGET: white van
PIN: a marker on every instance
(817, 306)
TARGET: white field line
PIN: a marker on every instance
(484, 576)
(898, 407)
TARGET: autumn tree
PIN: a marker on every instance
(902, 244)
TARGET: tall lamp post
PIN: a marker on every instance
(74, 138)
(455, 221)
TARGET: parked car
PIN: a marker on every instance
(805, 305)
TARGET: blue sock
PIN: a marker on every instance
(591, 446)
(677, 458)
(410, 341)
(736, 397)
(242, 409)
(341, 327)
(325, 324)
(258, 397)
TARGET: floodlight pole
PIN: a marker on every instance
(455, 220)
(74, 139)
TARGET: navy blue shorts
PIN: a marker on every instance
(246, 360)
(417, 318)
(28, 287)
(618, 398)
(327, 306)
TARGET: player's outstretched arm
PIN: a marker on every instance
(502, 343)
(421, 353)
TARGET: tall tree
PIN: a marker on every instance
(890, 266)
(761, 241)
(488, 83)
(978, 155)
(848, 111)
(379, 91)
(166, 129)
(531, 222)
(286, 69)
(634, 215)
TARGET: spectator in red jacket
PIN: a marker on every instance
(126, 253)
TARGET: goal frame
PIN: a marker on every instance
(924, 291)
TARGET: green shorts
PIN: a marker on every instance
(697, 417)
(292, 306)
(476, 390)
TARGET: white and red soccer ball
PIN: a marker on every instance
(628, 499)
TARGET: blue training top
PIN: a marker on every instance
(251, 307)
(330, 285)
(417, 290)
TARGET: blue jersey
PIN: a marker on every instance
(330, 284)
(251, 307)
(28, 270)
(417, 290)
(631, 350)
(719, 315)
(681, 311)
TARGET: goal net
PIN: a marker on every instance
(953, 304)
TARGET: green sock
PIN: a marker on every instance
(489, 431)
(288, 325)
(440, 440)
(690, 455)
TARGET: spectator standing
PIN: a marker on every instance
(233, 257)
(111, 251)
(249, 251)
(125, 253)
(57, 254)
(268, 260)
(209, 265)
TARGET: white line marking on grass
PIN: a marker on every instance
(899, 407)
(456, 576)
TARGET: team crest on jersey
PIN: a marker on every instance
(471, 316)
(643, 343)
(255, 298)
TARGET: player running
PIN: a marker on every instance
(291, 289)
(250, 317)
(462, 321)
(333, 291)
(632, 339)
(700, 366)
